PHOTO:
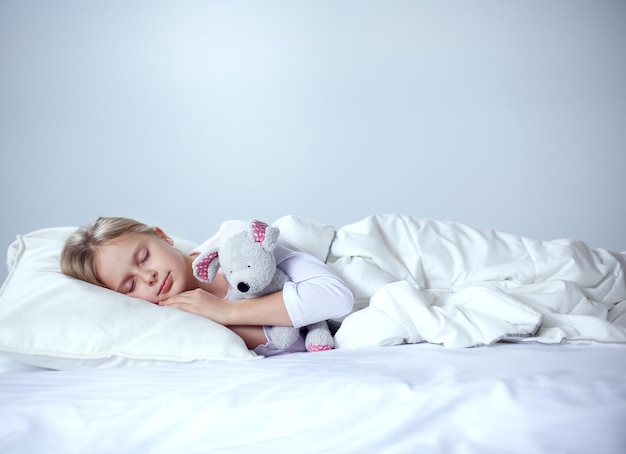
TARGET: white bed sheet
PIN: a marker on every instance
(407, 398)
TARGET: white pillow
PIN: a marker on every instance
(312, 237)
(50, 320)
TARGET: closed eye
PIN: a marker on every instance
(131, 286)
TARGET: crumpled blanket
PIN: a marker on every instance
(421, 280)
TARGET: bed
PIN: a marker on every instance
(399, 399)
(418, 368)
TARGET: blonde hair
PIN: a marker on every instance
(79, 251)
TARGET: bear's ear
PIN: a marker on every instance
(265, 234)
(205, 265)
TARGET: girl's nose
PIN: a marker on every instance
(150, 277)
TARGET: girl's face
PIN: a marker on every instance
(143, 265)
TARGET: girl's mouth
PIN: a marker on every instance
(166, 285)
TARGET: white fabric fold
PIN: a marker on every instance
(474, 316)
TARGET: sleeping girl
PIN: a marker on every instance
(141, 261)
(414, 280)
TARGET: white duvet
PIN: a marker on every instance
(418, 280)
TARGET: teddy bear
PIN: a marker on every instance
(244, 251)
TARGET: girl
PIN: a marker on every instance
(140, 261)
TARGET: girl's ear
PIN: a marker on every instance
(161, 234)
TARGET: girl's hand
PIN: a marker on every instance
(264, 310)
(206, 304)
(201, 302)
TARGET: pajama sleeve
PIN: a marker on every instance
(315, 292)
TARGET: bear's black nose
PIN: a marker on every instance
(243, 287)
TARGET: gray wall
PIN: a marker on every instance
(509, 115)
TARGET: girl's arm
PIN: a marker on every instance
(253, 336)
(314, 293)
(265, 310)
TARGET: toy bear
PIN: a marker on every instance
(246, 258)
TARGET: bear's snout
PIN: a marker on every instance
(243, 287)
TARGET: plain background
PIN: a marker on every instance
(499, 114)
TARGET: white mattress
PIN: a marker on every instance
(408, 398)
